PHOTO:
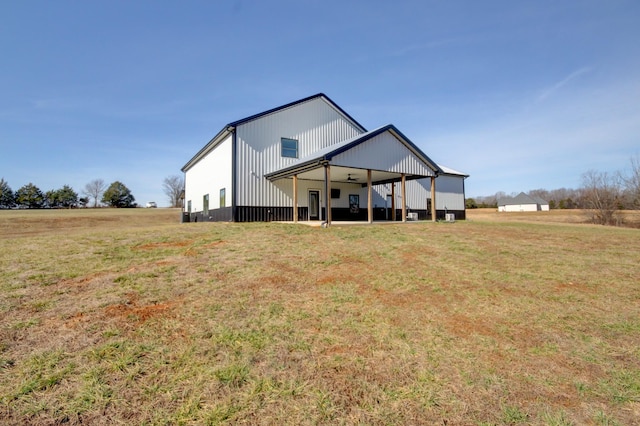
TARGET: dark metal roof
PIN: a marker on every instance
(291, 104)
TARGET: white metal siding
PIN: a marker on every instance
(209, 176)
(383, 152)
(520, 208)
(304, 186)
(315, 124)
(417, 193)
(449, 193)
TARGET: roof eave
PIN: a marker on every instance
(399, 136)
(296, 169)
(290, 104)
(215, 141)
(416, 151)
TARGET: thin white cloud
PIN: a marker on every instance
(545, 145)
(428, 45)
(551, 90)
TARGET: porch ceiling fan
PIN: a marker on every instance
(351, 179)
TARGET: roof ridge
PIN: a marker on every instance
(294, 103)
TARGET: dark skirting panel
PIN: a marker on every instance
(264, 214)
(224, 214)
(285, 214)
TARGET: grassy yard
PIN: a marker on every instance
(129, 317)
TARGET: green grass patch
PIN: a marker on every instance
(132, 317)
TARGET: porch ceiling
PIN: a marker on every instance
(350, 175)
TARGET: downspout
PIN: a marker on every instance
(234, 180)
(464, 200)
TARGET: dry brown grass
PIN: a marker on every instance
(630, 218)
(137, 319)
(22, 223)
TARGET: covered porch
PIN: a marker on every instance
(380, 157)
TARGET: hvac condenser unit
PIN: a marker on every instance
(450, 217)
(412, 216)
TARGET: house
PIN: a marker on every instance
(310, 160)
(522, 203)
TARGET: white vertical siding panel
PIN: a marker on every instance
(520, 208)
(449, 193)
(208, 176)
(315, 124)
(417, 193)
(383, 152)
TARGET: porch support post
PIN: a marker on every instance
(369, 197)
(393, 201)
(433, 198)
(404, 198)
(295, 198)
(327, 195)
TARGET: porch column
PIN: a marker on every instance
(295, 198)
(369, 197)
(404, 198)
(433, 198)
(393, 201)
(327, 193)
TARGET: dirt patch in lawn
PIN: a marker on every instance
(132, 310)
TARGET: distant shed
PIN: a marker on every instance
(522, 203)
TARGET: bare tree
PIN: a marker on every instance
(540, 193)
(632, 183)
(602, 195)
(94, 189)
(173, 187)
(564, 198)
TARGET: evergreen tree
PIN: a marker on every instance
(64, 197)
(67, 197)
(51, 199)
(30, 196)
(118, 195)
(7, 198)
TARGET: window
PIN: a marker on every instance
(289, 147)
(189, 206)
(205, 204)
(222, 197)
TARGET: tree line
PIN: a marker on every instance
(602, 194)
(94, 193)
(30, 196)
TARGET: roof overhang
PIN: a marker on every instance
(214, 142)
(448, 171)
(310, 168)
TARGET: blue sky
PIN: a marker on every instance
(520, 95)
